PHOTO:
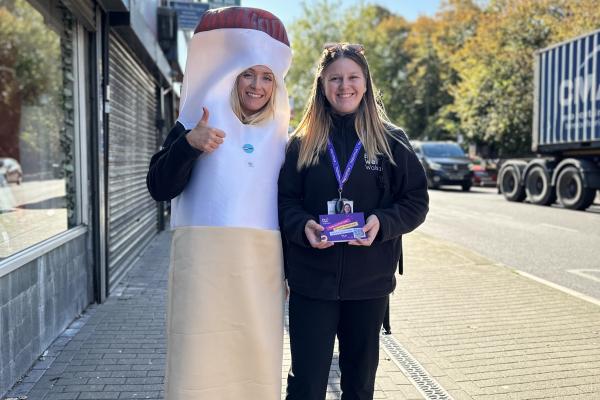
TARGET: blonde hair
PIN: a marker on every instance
(371, 123)
(268, 110)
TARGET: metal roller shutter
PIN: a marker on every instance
(132, 213)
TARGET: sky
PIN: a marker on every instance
(287, 11)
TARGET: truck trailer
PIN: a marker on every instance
(566, 129)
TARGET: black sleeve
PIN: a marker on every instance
(171, 168)
(409, 193)
(292, 216)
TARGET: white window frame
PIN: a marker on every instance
(80, 158)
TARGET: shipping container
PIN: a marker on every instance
(566, 129)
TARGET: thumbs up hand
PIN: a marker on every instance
(203, 137)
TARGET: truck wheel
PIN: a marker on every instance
(466, 186)
(537, 186)
(509, 184)
(570, 190)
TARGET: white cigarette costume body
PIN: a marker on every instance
(226, 290)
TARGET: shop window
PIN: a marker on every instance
(38, 195)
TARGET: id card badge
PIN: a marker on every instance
(340, 206)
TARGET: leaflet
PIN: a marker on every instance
(343, 227)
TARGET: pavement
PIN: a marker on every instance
(464, 327)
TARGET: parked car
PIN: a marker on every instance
(445, 163)
(485, 172)
(11, 171)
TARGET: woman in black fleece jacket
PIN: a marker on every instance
(341, 289)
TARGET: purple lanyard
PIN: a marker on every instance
(336, 164)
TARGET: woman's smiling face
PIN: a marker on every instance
(255, 88)
(344, 85)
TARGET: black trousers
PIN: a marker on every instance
(313, 327)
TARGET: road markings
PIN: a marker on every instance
(559, 287)
(582, 273)
(559, 227)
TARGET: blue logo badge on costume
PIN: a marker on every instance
(248, 148)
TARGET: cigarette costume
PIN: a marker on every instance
(226, 288)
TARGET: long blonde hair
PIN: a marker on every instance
(371, 123)
(268, 110)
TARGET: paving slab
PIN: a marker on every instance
(475, 328)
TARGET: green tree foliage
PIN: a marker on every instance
(318, 25)
(493, 97)
(388, 59)
(425, 87)
(31, 85)
(27, 52)
(456, 22)
(323, 21)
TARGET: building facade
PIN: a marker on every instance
(85, 100)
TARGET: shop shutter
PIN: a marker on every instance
(132, 137)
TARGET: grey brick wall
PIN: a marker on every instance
(37, 302)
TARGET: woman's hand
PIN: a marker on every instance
(314, 235)
(203, 137)
(371, 228)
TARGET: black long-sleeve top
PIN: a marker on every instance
(171, 167)
(396, 194)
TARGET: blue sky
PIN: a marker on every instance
(287, 11)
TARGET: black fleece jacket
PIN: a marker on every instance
(396, 194)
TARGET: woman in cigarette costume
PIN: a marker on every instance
(220, 166)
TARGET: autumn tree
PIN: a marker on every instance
(381, 33)
(455, 23)
(430, 76)
(494, 96)
(465, 72)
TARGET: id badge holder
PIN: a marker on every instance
(336, 206)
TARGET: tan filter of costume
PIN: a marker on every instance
(225, 314)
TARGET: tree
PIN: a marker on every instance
(29, 74)
(456, 22)
(467, 71)
(425, 89)
(381, 33)
(388, 59)
(318, 25)
(494, 95)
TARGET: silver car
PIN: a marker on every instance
(10, 170)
